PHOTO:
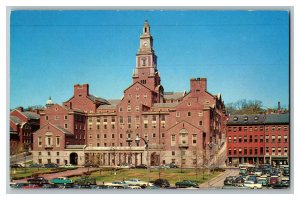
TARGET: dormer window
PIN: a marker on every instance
(255, 118)
(235, 118)
(245, 118)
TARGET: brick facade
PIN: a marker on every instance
(258, 139)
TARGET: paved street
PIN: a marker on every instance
(218, 181)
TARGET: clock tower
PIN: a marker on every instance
(146, 62)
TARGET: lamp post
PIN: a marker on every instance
(137, 140)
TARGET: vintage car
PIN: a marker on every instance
(186, 183)
(136, 182)
(61, 180)
(37, 180)
(252, 185)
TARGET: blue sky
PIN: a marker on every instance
(243, 54)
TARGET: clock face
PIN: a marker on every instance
(145, 44)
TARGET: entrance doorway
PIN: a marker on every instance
(74, 158)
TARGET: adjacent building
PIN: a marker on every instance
(258, 139)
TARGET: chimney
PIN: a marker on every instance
(81, 90)
(198, 85)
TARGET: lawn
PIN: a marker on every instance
(172, 175)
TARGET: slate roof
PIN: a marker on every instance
(16, 120)
(245, 119)
(173, 95)
(112, 104)
(278, 119)
(94, 99)
(258, 119)
(31, 115)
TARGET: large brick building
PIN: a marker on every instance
(180, 127)
(258, 139)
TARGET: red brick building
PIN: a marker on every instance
(22, 125)
(258, 139)
(178, 125)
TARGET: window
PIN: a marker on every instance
(267, 138)
(105, 136)
(229, 129)
(189, 114)
(234, 129)
(172, 140)
(285, 150)
(194, 139)
(90, 136)
(261, 128)
(145, 125)
(56, 117)
(255, 128)
(255, 138)
(229, 139)
(145, 96)
(200, 123)
(240, 128)
(98, 144)
(279, 150)
(153, 135)
(194, 161)
(267, 150)
(273, 138)
(40, 141)
(177, 114)
(121, 136)
(137, 108)
(273, 151)
(98, 136)
(57, 161)
(240, 139)
(285, 138)
(162, 135)
(49, 153)
(66, 117)
(245, 138)
(112, 126)
(120, 109)
(173, 153)
(98, 119)
(66, 126)
(46, 117)
(121, 120)
(250, 139)
(240, 151)
(250, 129)
(112, 135)
(250, 151)
(261, 138)
(279, 138)
(113, 119)
(245, 128)
(229, 151)
(285, 128)
(90, 126)
(57, 141)
(200, 114)
(105, 144)
(234, 139)
(128, 108)
(267, 128)
(129, 119)
(273, 128)
(255, 151)
(40, 153)
(90, 119)
(173, 161)
(234, 151)
(245, 151)
(98, 127)
(57, 153)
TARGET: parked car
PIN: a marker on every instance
(252, 178)
(37, 180)
(163, 183)
(243, 171)
(35, 165)
(141, 166)
(165, 166)
(61, 180)
(18, 185)
(117, 183)
(280, 185)
(252, 185)
(51, 165)
(286, 182)
(258, 172)
(273, 180)
(16, 166)
(69, 166)
(186, 183)
(229, 180)
(173, 165)
(263, 181)
(238, 181)
(286, 171)
(136, 182)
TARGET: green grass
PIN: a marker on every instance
(172, 175)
